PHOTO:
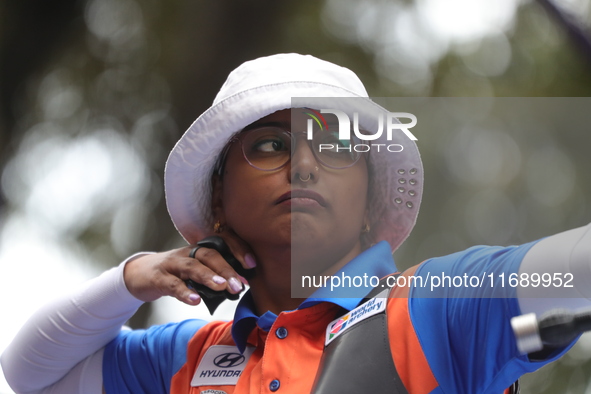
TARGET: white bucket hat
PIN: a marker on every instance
(259, 88)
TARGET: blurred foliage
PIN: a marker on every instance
(94, 94)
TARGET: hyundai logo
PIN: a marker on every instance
(229, 360)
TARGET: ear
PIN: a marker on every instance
(365, 234)
(217, 206)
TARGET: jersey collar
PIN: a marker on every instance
(375, 262)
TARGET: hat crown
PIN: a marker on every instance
(261, 87)
(285, 68)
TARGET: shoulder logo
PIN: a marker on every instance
(362, 312)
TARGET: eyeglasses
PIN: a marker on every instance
(270, 148)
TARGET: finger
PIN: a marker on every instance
(240, 249)
(218, 271)
(203, 270)
(174, 286)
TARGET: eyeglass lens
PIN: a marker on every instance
(270, 148)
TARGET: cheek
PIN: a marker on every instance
(239, 194)
(349, 209)
(239, 208)
(247, 198)
(356, 187)
(235, 186)
(357, 203)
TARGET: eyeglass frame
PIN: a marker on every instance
(221, 162)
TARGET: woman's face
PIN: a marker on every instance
(316, 211)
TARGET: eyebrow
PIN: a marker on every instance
(256, 125)
(282, 125)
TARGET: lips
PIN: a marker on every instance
(302, 196)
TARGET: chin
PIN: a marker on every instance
(306, 239)
(305, 228)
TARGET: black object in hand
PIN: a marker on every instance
(213, 298)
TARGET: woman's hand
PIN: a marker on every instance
(152, 276)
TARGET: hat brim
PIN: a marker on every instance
(394, 200)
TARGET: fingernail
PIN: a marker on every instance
(250, 261)
(235, 285)
(243, 279)
(218, 279)
(194, 297)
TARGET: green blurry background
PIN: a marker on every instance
(94, 94)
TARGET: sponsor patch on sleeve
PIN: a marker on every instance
(220, 366)
(354, 316)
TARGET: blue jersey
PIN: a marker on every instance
(446, 335)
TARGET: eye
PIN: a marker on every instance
(334, 151)
(333, 138)
(266, 142)
(269, 145)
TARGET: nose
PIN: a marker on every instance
(304, 167)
